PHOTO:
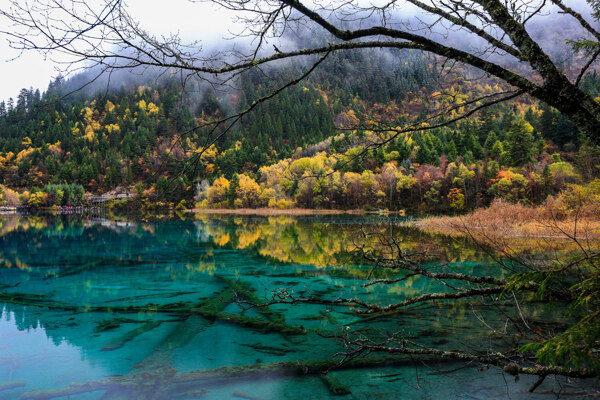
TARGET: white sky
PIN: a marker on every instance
(192, 21)
(29, 69)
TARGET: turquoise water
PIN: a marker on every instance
(128, 307)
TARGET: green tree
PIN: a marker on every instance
(521, 143)
(234, 184)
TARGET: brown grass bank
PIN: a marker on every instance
(516, 222)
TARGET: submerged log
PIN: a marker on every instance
(241, 395)
(72, 389)
(275, 350)
(180, 336)
(260, 324)
(334, 386)
(12, 384)
(287, 368)
(28, 299)
(212, 309)
(159, 360)
(218, 376)
(273, 322)
(243, 290)
(130, 335)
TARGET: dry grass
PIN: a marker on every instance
(513, 223)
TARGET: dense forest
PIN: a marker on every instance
(307, 147)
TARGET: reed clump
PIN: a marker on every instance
(574, 213)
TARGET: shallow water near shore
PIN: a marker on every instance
(130, 306)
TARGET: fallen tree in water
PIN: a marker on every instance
(154, 376)
(167, 381)
(565, 343)
(170, 381)
(519, 281)
(211, 308)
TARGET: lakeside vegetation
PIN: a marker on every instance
(575, 212)
(312, 148)
(491, 146)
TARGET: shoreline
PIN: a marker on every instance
(263, 211)
(291, 211)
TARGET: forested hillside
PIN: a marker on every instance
(311, 146)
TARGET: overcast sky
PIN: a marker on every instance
(192, 21)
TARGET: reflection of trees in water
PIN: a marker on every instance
(294, 240)
(77, 295)
(83, 263)
(184, 250)
(285, 239)
(32, 232)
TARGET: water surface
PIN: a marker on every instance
(89, 299)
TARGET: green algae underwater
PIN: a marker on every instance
(95, 307)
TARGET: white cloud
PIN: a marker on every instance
(28, 69)
(192, 21)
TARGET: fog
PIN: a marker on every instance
(216, 28)
(192, 21)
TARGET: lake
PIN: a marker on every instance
(98, 307)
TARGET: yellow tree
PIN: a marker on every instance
(248, 191)
(217, 193)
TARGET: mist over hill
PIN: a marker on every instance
(158, 129)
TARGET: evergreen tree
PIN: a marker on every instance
(234, 184)
(520, 143)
